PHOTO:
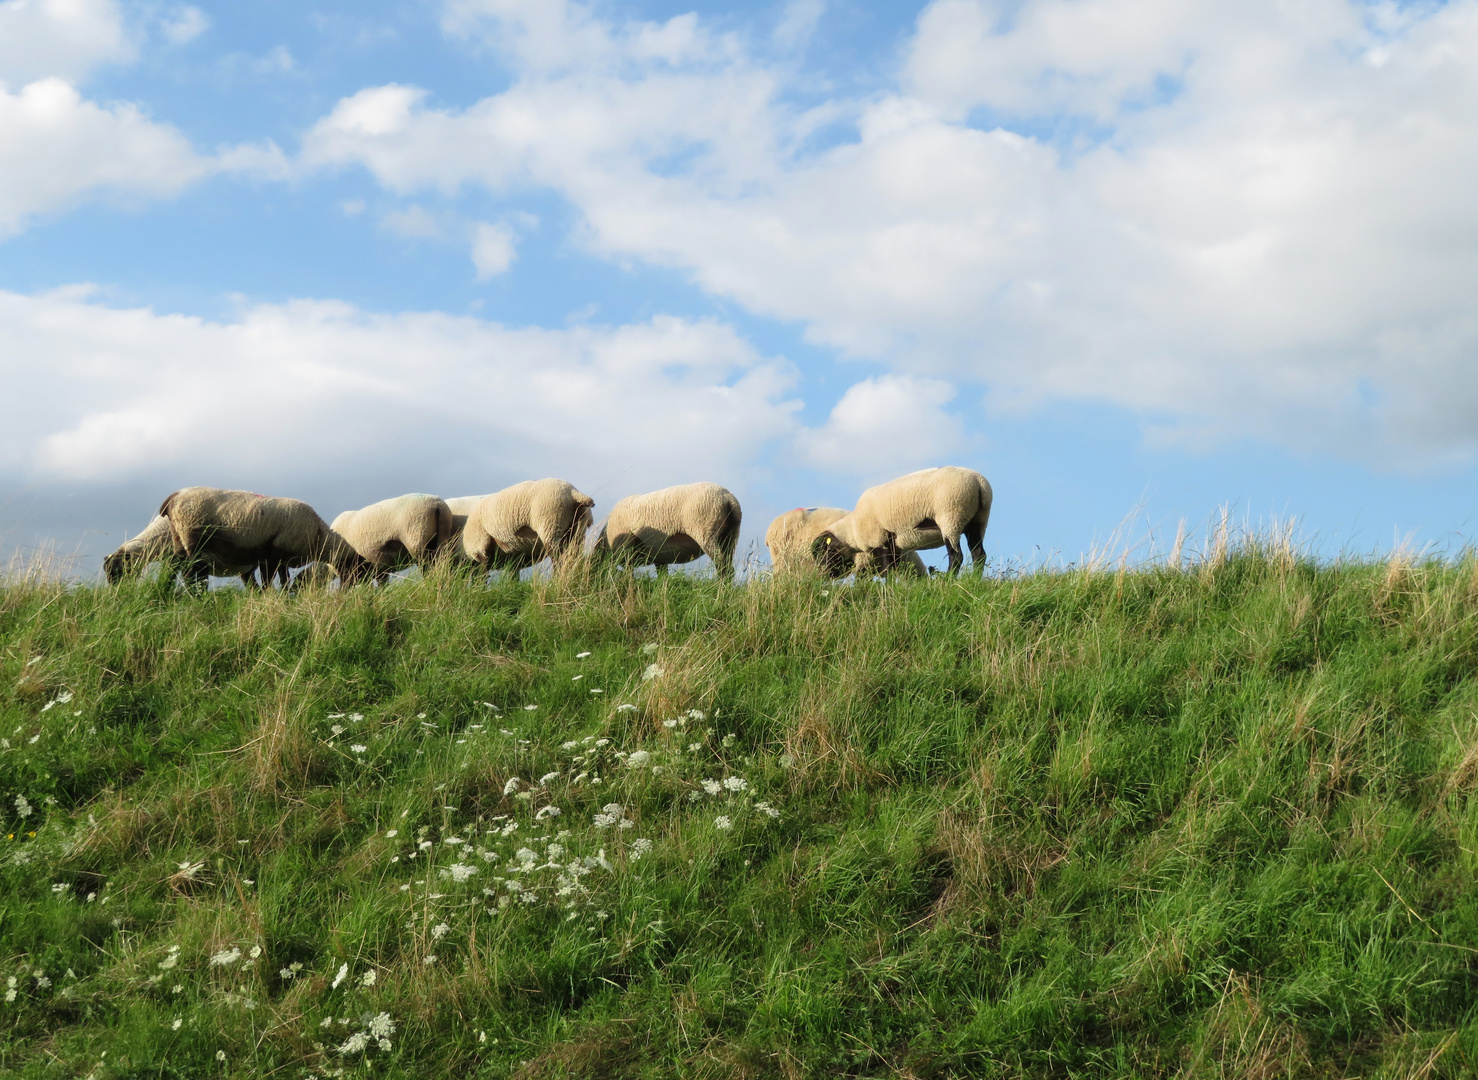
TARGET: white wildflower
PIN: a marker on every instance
(654, 671)
(649, 648)
(459, 872)
(220, 1055)
(639, 759)
(548, 777)
(381, 1027)
(356, 717)
(354, 1044)
(61, 888)
(736, 783)
(669, 723)
(172, 959)
(176, 1025)
(337, 730)
(368, 978)
(547, 811)
(256, 951)
(581, 655)
(694, 714)
(453, 840)
(430, 958)
(728, 740)
(639, 848)
(722, 822)
(577, 678)
(610, 814)
(226, 957)
(569, 745)
(341, 976)
(626, 708)
(511, 786)
(439, 931)
(694, 747)
(359, 748)
(529, 708)
(766, 808)
(713, 787)
(597, 690)
(336, 716)
(22, 807)
(423, 845)
(392, 834)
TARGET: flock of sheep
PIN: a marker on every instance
(204, 531)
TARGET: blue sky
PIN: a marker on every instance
(1132, 259)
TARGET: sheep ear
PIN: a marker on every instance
(822, 542)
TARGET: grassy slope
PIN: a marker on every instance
(1211, 823)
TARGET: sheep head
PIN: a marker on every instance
(837, 558)
(115, 566)
(833, 554)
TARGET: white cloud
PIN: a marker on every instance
(184, 25)
(1265, 226)
(492, 250)
(57, 146)
(414, 222)
(798, 22)
(102, 394)
(883, 426)
(61, 38)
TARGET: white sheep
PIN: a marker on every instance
(156, 544)
(926, 509)
(525, 523)
(242, 528)
(395, 533)
(674, 525)
(791, 535)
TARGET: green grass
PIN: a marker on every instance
(1217, 821)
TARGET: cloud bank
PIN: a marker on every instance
(1233, 220)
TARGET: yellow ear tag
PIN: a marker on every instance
(828, 540)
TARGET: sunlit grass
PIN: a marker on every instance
(1206, 819)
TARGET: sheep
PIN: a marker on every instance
(674, 525)
(156, 544)
(395, 533)
(522, 524)
(925, 509)
(241, 528)
(791, 535)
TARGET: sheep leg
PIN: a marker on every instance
(975, 536)
(956, 556)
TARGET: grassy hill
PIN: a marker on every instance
(1201, 822)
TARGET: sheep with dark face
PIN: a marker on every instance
(156, 544)
(926, 509)
(390, 535)
(526, 523)
(244, 528)
(792, 534)
(674, 525)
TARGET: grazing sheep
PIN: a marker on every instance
(395, 533)
(791, 535)
(522, 524)
(156, 544)
(242, 528)
(926, 509)
(674, 525)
